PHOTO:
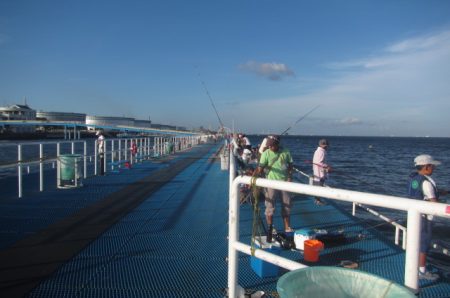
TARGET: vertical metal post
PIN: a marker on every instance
(397, 233)
(19, 169)
(144, 149)
(404, 239)
(354, 209)
(112, 155)
(85, 159)
(65, 132)
(126, 149)
(58, 168)
(72, 150)
(131, 153)
(120, 150)
(41, 167)
(412, 250)
(105, 150)
(140, 148)
(75, 167)
(233, 236)
(95, 157)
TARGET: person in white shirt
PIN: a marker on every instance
(320, 166)
(245, 142)
(235, 145)
(101, 151)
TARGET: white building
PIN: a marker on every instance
(101, 121)
(18, 112)
(61, 117)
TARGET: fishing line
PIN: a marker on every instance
(211, 100)
(340, 173)
(299, 119)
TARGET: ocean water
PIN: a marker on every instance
(371, 164)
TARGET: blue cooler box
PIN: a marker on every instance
(263, 268)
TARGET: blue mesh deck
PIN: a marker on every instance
(175, 243)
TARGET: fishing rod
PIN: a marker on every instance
(339, 173)
(211, 100)
(299, 119)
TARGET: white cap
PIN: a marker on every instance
(425, 159)
(246, 151)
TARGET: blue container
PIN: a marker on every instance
(262, 268)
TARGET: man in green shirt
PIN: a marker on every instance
(277, 163)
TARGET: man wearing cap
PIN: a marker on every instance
(277, 162)
(263, 147)
(422, 187)
(320, 166)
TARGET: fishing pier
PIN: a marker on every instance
(172, 226)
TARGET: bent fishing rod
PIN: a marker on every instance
(299, 119)
(211, 100)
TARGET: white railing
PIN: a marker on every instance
(118, 151)
(398, 227)
(414, 209)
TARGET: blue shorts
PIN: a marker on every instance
(425, 235)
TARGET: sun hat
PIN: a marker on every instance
(273, 140)
(425, 159)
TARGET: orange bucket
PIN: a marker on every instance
(312, 249)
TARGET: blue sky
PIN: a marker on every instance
(377, 68)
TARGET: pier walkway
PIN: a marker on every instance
(160, 230)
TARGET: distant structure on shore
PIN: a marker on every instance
(61, 117)
(18, 112)
(21, 112)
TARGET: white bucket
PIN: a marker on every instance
(300, 236)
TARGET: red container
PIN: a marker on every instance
(312, 250)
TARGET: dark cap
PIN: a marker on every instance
(323, 142)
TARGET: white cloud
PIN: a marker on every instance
(273, 71)
(403, 90)
(421, 43)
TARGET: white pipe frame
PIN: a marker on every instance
(144, 150)
(414, 208)
(398, 227)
